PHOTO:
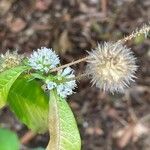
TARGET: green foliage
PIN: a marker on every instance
(8, 140)
(7, 78)
(62, 125)
(139, 39)
(30, 104)
(38, 110)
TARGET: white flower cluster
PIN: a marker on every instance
(43, 59)
(63, 85)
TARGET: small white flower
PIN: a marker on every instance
(43, 59)
(64, 83)
(66, 88)
(51, 85)
(63, 90)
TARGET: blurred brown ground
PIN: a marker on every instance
(106, 122)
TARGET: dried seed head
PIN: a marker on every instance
(111, 67)
(9, 60)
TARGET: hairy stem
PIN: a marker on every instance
(78, 77)
(69, 64)
(144, 30)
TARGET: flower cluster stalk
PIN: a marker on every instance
(70, 64)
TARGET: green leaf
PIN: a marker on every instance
(36, 76)
(8, 140)
(7, 78)
(30, 104)
(64, 134)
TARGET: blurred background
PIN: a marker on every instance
(71, 27)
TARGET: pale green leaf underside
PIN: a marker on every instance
(7, 78)
(64, 134)
(8, 140)
(30, 104)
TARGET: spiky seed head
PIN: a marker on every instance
(111, 66)
(9, 60)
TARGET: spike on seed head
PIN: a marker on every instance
(111, 66)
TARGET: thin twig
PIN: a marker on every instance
(122, 121)
(104, 6)
(130, 109)
(81, 76)
(144, 30)
(96, 16)
(78, 77)
(69, 64)
(27, 137)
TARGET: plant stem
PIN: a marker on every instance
(79, 77)
(144, 30)
(69, 64)
(27, 137)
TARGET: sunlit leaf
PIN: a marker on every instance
(8, 140)
(7, 78)
(30, 104)
(64, 134)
